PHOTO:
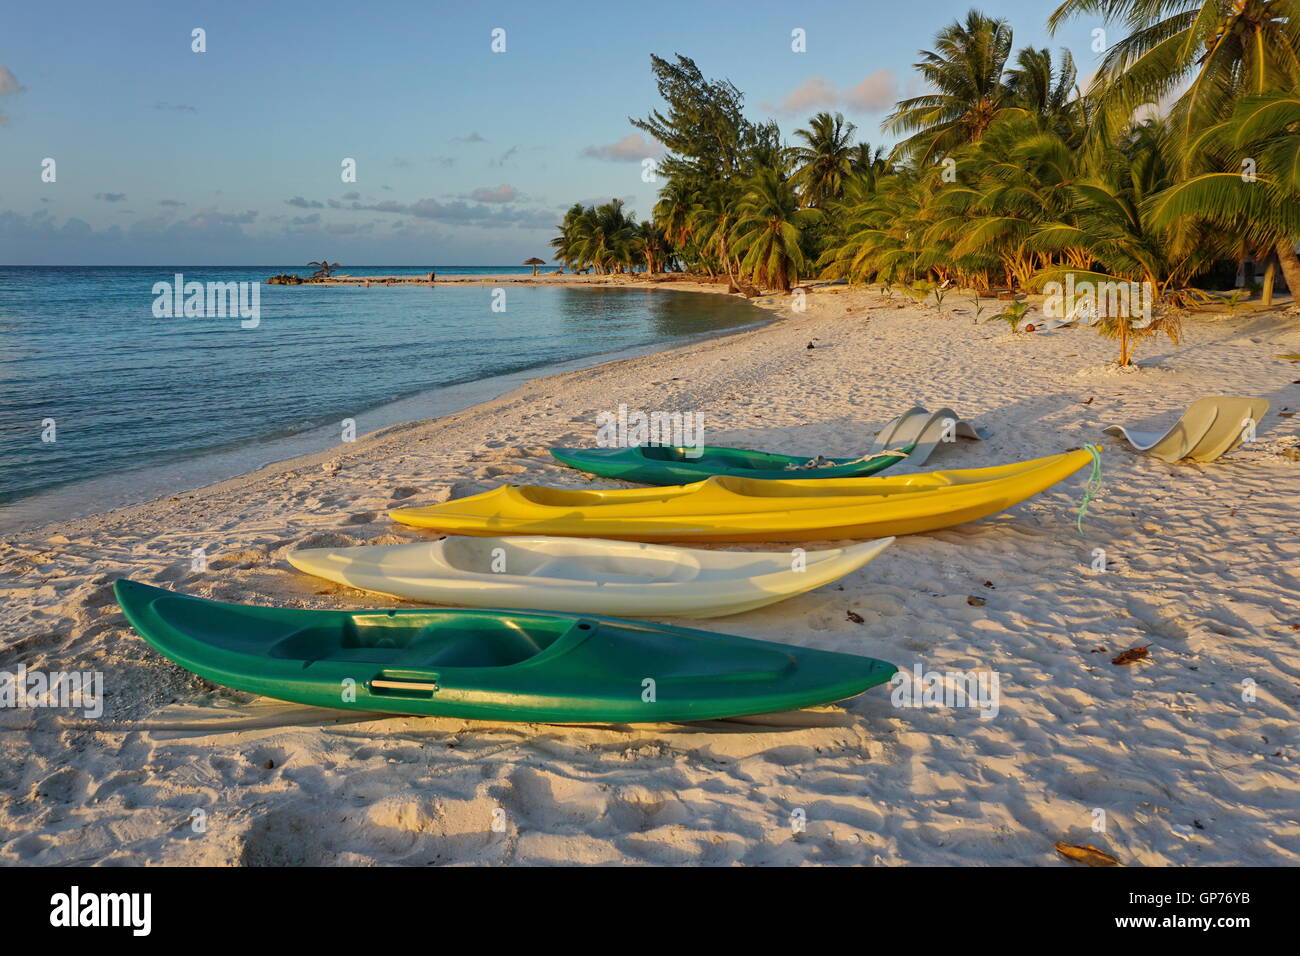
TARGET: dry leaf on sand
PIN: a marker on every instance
(1085, 854)
(1132, 655)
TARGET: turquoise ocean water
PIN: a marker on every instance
(127, 392)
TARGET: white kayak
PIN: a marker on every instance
(585, 575)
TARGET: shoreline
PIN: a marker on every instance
(1202, 562)
(681, 282)
(215, 466)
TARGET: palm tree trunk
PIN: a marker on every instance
(1286, 255)
(1270, 275)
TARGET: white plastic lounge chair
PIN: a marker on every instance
(1212, 427)
(1081, 313)
(925, 430)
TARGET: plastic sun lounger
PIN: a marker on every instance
(923, 429)
(1211, 427)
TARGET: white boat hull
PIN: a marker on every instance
(584, 575)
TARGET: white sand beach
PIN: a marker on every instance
(1184, 767)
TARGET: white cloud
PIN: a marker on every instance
(9, 84)
(811, 94)
(877, 92)
(632, 148)
(502, 193)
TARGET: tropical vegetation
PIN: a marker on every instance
(1178, 162)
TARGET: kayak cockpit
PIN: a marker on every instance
(720, 457)
(618, 562)
(436, 640)
(420, 639)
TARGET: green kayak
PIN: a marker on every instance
(677, 465)
(490, 664)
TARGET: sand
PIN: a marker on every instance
(1188, 757)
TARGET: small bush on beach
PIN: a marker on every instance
(1013, 314)
(1130, 332)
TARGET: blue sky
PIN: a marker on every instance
(464, 156)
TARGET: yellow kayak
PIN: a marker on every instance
(728, 508)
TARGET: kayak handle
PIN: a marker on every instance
(403, 688)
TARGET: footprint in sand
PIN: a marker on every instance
(100, 597)
(286, 837)
(325, 539)
(361, 517)
(494, 471)
(241, 560)
(30, 846)
(172, 573)
(399, 494)
(65, 785)
(463, 489)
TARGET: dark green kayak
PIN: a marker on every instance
(491, 665)
(676, 465)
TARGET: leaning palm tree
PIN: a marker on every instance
(324, 268)
(825, 159)
(768, 230)
(966, 71)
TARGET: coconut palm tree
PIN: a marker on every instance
(1049, 92)
(1112, 220)
(651, 244)
(565, 244)
(711, 222)
(876, 234)
(824, 160)
(966, 69)
(768, 230)
(673, 210)
(606, 237)
(1011, 182)
(602, 237)
(869, 164)
(1208, 53)
(1254, 189)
